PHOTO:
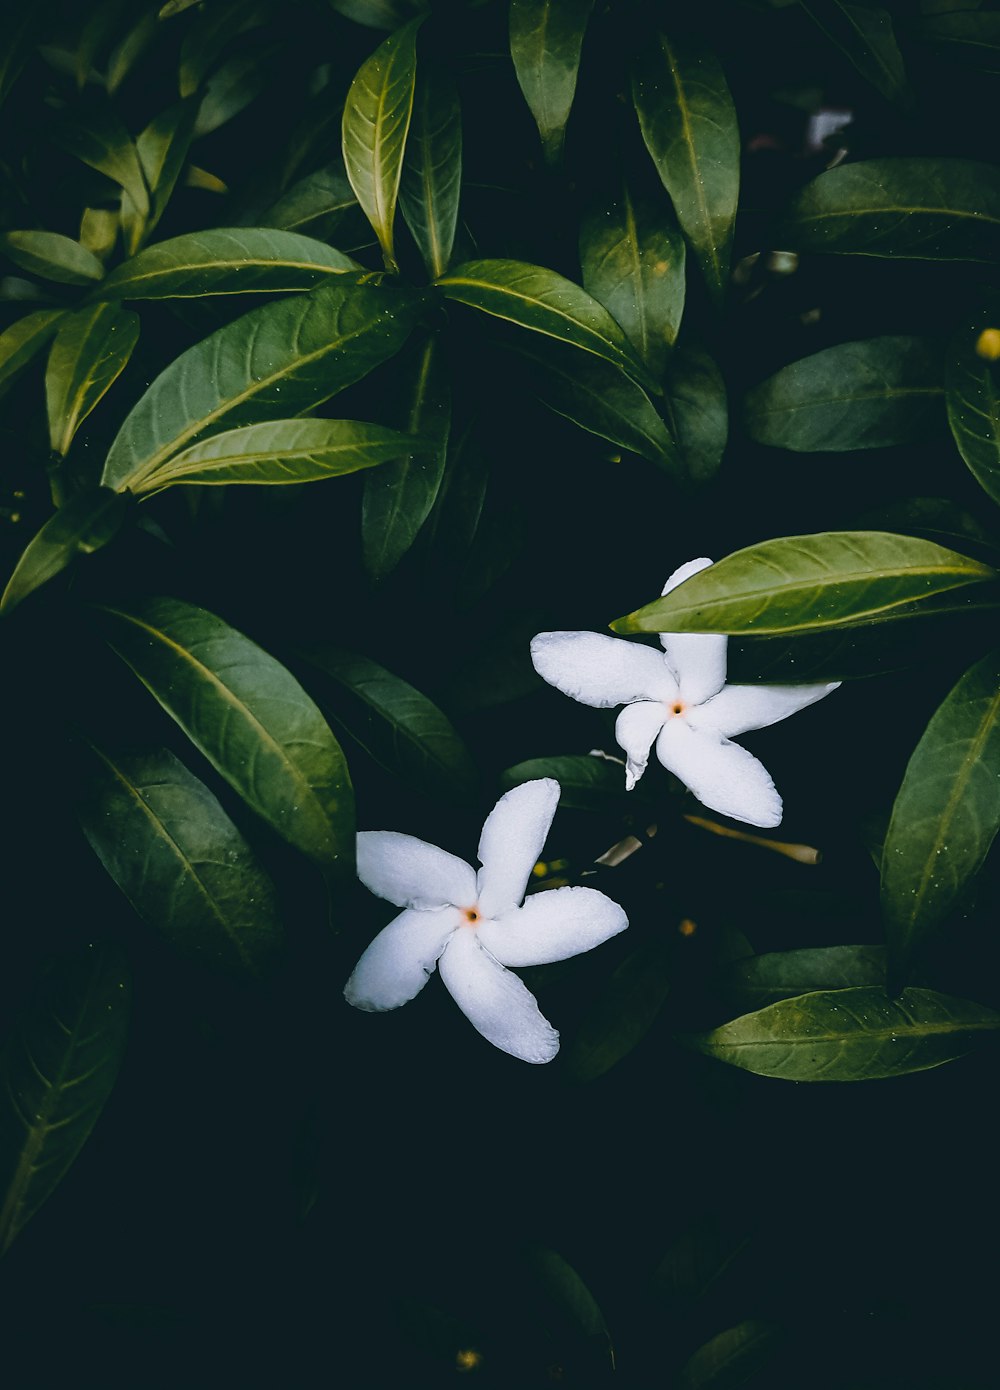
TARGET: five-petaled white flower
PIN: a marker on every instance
(473, 926)
(681, 701)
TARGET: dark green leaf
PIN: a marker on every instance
(432, 171)
(758, 980)
(25, 25)
(965, 36)
(808, 584)
(624, 1012)
(59, 1068)
(130, 50)
(103, 143)
(865, 37)
(209, 37)
(947, 813)
(453, 524)
(864, 395)
(731, 1358)
(248, 716)
(697, 410)
(275, 361)
(565, 1306)
(586, 783)
(689, 125)
(84, 524)
(24, 340)
(180, 861)
(973, 387)
(53, 256)
(378, 14)
(317, 202)
(925, 209)
(546, 37)
(232, 88)
(163, 149)
(90, 352)
(850, 1035)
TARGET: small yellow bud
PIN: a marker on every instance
(686, 927)
(540, 869)
(467, 1360)
(988, 344)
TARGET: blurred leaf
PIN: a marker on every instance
(59, 1068)
(249, 717)
(85, 523)
(586, 783)
(91, 350)
(99, 231)
(280, 359)
(175, 7)
(937, 518)
(865, 37)
(926, 209)
(546, 303)
(947, 813)
(731, 1358)
(850, 1035)
(758, 980)
(808, 584)
(964, 36)
(213, 30)
(163, 149)
(863, 395)
(697, 410)
(232, 88)
(376, 121)
(180, 860)
(281, 451)
(633, 262)
(398, 498)
(561, 1301)
(974, 408)
(316, 202)
(24, 340)
(397, 726)
(689, 125)
(546, 37)
(623, 1012)
(453, 523)
(699, 1258)
(129, 50)
(496, 670)
(52, 256)
(103, 143)
(26, 24)
(378, 14)
(431, 183)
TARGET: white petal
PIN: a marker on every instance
(601, 671)
(401, 959)
(635, 729)
(553, 925)
(411, 873)
(511, 843)
(494, 1001)
(722, 775)
(738, 708)
(698, 661)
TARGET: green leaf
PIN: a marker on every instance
(964, 36)
(163, 150)
(232, 88)
(431, 184)
(454, 522)
(731, 1358)
(180, 860)
(377, 14)
(809, 584)
(281, 451)
(85, 523)
(90, 352)
(546, 38)
(697, 410)
(545, 303)
(850, 1035)
(633, 262)
(210, 36)
(924, 209)
(226, 260)
(398, 498)
(318, 201)
(103, 143)
(280, 359)
(59, 1068)
(53, 256)
(22, 30)
(24, 340)
(754, 981)
(129, 51)
(376, 121)
(624, 1011)
(865, 395)
(865, 37)
(397, 726)
(973, 395)
(563, 1304)
(688, 122)
(586, 783)
(249, 717)
(947, 813)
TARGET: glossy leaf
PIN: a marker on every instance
(85, 523)
(59, 1068)
(865, 37)
(399, 497)
(545, 303)
(226, 260)
(964, 36)
(623, 1012)
(316, 203)
(731, 1358)
(697, 410)
(863, 395)
(377, 116)
(53, 256)
(249, 717)
(688, 122)
(103, 143)
(280, 359)
(91, 350)
(24, 340)
(281, 451)
(431, 183)
(755, 981)
(632, 257)
(546, 38)
(809, 584)
(850, 1035)
(947, 813)
(179, 859)
(973, 395)
(925, 209)
(400, 728)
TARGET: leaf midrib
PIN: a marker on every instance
(685, 115)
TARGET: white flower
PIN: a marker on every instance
(681, 701)
(472, 926)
